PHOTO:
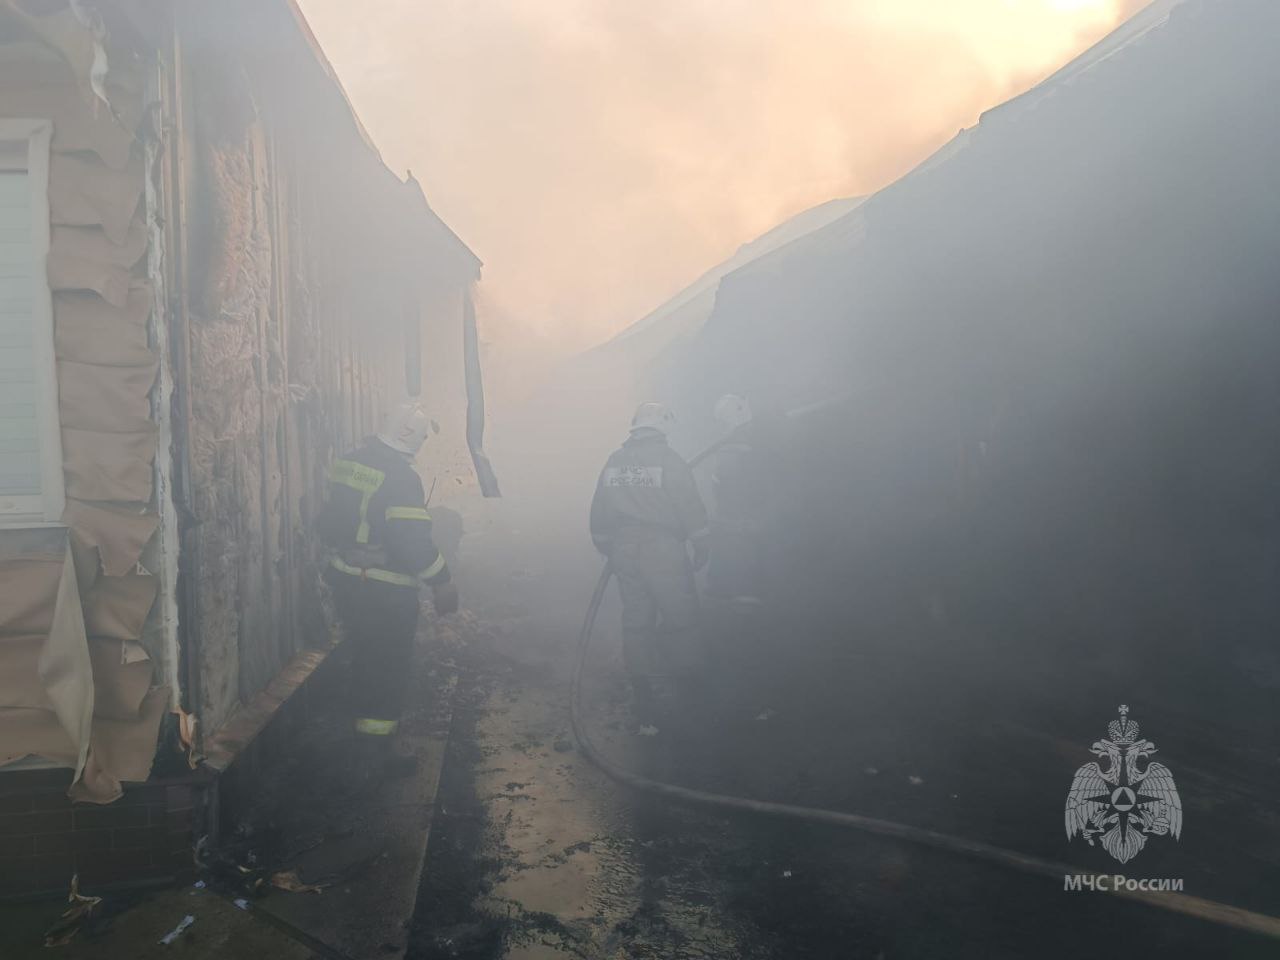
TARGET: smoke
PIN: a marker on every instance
(598, 154)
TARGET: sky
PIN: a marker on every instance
(599, 155)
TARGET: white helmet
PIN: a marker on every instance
(405, 428)
(733, 411)
(654, 416)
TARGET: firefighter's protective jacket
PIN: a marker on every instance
(376, 520)
(645, 485)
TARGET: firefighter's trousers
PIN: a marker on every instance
(379, 622)
(660, 636)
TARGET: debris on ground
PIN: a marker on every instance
(288, 880)
(914, 780)
(177, 931)
(228, 872)
(241, 903)
(765, 714)
(648, 730)
(76, 915)
(870, 771)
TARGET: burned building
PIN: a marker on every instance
(1038, 479)
(1050, 343)
(210, 284)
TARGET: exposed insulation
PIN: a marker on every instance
(233, 419)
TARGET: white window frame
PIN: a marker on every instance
(44, 508)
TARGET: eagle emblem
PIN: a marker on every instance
(1126, 801)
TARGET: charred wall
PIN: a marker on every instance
(1055, 351)
(315, 298)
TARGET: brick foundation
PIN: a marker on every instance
(145, 837)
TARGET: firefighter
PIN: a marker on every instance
(375, 519)
(646, 509)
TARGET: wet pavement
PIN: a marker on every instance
(536, 854)
(533, 853)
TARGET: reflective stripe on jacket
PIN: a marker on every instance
(375, 520)
(646, 484)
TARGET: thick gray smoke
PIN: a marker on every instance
(598, 154)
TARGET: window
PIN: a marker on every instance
(30, 445)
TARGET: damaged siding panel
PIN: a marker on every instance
(107, 399)
(29, 585)
(88, 698)
(86, 194)
(109, 467)
(85, 258)
(87, 330)
(114, 537)
(116, 608)
(41, 87)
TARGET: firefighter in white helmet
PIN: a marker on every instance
(375, 519)
(646, 509)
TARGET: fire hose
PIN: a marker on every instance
(1209, 910)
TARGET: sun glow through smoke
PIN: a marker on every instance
(598, 154)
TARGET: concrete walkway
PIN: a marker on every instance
(363, 843)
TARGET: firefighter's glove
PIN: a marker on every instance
(701, 552)
(444, 597)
